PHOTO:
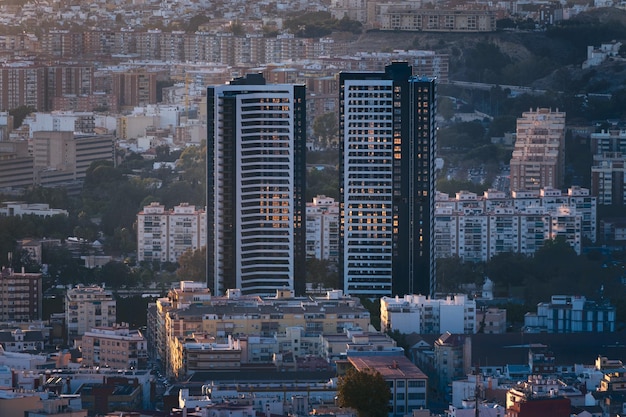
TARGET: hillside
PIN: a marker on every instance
(541, 59)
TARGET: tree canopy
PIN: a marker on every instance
(192, 265)
(319, 24)
(365, 391)
(325, 128)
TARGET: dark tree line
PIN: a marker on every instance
(554, 269)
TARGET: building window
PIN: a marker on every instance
(417, 384)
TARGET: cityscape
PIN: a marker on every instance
(333, 208)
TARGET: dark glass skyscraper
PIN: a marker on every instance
(256, 167)
(387, 137)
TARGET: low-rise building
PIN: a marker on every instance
(537, 397)
(355, 343)
(115, 347)
(452, 358)
(195, 354)
(571, 314)
(58, 407)
(18, 340)
(112, 395)
(408, 384)
(421, 314)
(295, 322)
(17, 208)
(17, 165)
(491, 320)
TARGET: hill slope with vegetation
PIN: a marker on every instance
(548, 58)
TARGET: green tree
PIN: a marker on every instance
(196, 21)
(192, 162)
(192, 265)
(501, 125)
(322, 182)
(373, 306)
(321, 274)
(325, 128)
(117, 275)
(446, 108)
(23, 259)
(365, 391)
(20, 113)
(237, 29)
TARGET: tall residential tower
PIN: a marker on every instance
(256, 171)
(387, 131)
(538, 159)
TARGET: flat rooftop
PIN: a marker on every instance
(390, 367)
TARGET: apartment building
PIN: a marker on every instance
(322, 229)
(164, 235)
(408, 384)
(87, 308)
(452, 356)
(134, 88)
(20, 296)
(608, 177)
(82, 123)
(608, 172)
(491, 320)
(256, 186)
(69, 79)
(394, 16)
(114, 347)
(22, 84)
(356, 342)
(282, 317)
(189, 355)
(571, 314)
(477, 228)
(61, 157)
(538, 159)
(179, 297)
(387, 166)
(537, 397)
(421, 314)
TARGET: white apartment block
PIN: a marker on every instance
(164, 235)
(256, 179)
(421, 314)
(88, 307)
(478, 228)
(16, 208)
(322, 229)
(570, 314)
(76, 122)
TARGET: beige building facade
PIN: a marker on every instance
(538, 159)
(87, 308)
(115, 347)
